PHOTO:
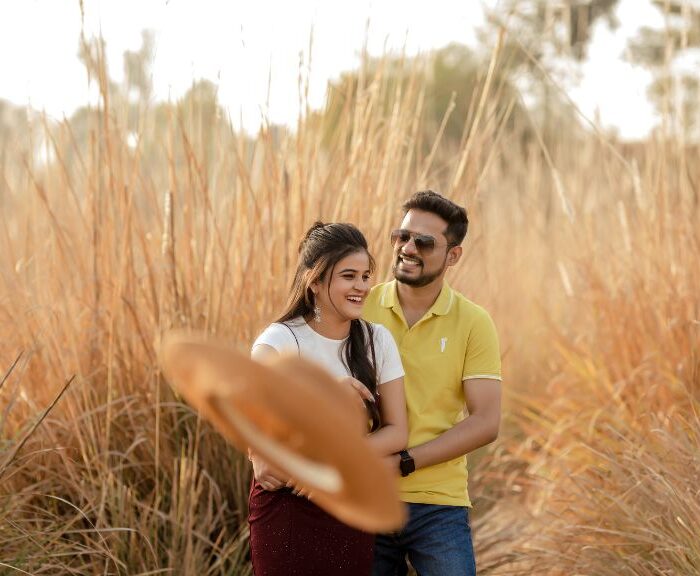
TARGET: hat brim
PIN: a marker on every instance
(295, 416)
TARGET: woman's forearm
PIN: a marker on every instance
(392, 437)
(388, 440)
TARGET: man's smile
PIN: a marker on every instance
(409, 262)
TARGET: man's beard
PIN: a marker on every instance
(418, 281)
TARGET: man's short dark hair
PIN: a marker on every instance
(454, 215)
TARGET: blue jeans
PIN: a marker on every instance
(436, 539)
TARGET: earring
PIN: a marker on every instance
(317, 314)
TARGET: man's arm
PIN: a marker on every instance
(478, 429)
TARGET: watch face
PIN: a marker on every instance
(407, 465)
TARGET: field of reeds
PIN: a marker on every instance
(114, 229)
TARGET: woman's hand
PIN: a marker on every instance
(298, 491)
(359, 387)
(267, 476)
(367, 402)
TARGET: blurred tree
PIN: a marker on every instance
(552, 28)
(137, 68)
(139, 122)
(87, 124)
(451, 79)
(15, 140)
(544, 38)
(202, 125)
(15, 133)
(581, 17)
(539, 32)
(669, 53)
(92, 54)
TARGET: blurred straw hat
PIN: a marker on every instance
(295, 416)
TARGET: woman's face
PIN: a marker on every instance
(342, 292)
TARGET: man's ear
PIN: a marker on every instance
(454, 255)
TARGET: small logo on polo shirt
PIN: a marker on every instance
(443, 342)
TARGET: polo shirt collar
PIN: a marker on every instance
(441, 306)
(389, 297)
(444, 301)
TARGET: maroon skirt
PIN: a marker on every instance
(291, 536)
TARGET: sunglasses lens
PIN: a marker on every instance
(400, 236)
(424, 243)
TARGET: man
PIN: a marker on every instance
(450, 354)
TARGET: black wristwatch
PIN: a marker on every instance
(407, 464)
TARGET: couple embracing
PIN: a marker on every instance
(419, 353)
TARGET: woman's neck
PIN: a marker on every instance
(333, 328)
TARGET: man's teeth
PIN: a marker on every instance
(408, 260)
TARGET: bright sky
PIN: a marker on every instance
(236, 44)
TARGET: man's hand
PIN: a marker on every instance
(483, 397)
(268, 477)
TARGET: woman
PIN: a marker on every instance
(289, 534)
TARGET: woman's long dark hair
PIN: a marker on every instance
(323, 246)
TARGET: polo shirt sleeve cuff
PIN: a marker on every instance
(484, 376)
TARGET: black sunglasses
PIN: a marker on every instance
(424, 242)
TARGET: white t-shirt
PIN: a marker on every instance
(328, 352)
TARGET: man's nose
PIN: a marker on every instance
(409, 247)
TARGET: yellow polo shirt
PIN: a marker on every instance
(454, 341)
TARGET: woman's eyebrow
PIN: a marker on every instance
(351, 270)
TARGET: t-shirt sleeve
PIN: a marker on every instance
(278, 337)
(389, 366)
(483, 356)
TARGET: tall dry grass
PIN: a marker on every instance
(584, 250)
(607, 463)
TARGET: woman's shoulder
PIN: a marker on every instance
(279, 334)
(388, 357)
(380, 333)
(274, 329)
